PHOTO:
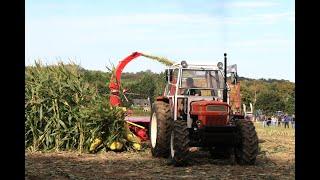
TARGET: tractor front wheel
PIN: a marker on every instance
(246, 150)
(160, 128)
(179, 143)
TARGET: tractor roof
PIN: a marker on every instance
(195, 67)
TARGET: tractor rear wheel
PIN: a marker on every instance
(246, 150)
(160, 129)
(179, 143)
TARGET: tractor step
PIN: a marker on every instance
(216, 135)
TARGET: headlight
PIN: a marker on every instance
(220, 65)
(184, 64)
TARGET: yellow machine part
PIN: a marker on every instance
(116, 145)
(132, 138)
(96, 142)
(136, 146)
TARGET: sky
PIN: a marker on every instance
(258, 36)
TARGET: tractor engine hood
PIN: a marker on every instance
(206, 107)
(210, 113)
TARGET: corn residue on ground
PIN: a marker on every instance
(276, 160)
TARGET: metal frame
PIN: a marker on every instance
(178, 86)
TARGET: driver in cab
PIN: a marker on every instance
(189, 90)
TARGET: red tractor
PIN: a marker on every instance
(200, 109)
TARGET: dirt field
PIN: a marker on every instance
(276, 160)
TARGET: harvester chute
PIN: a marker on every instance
(115, 86)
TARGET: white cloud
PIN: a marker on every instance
(158, 19)
(264, 43)
(251, 4)
(291, 19)
(129, 19)
(266, 18)
(273, 17)
(47, 36)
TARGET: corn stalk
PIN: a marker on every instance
(63, 112)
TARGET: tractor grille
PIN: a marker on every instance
(216, 120)
(216, 108)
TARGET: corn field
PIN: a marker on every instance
(63, 112)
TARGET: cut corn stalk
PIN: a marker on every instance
(134, 124)
(162, 60)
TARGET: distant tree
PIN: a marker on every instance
(270, 102)
(161, 83)
(262, 93)
(290, 104)
(145, 86)
(247, 95)
(148, 85)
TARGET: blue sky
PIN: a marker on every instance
(257, 35)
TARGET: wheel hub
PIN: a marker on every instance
(171, 145)
(154, 129)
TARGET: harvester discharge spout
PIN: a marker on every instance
(115, 86)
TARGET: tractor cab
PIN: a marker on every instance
(190, 80)
(195, 92)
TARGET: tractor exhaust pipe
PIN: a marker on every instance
(225, 93)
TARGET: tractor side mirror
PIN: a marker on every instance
(169, 75)
(233, 78)
(166, 74)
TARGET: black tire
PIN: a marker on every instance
(179, 143)
(247, 149)
(220, 152)
(161, 146)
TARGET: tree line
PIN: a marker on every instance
(267, 95)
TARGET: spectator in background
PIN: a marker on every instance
(269, 121)
(282, 119)
(264, 121)
(273, 121)
(293, 121)
(286, 121)
(279, 121)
